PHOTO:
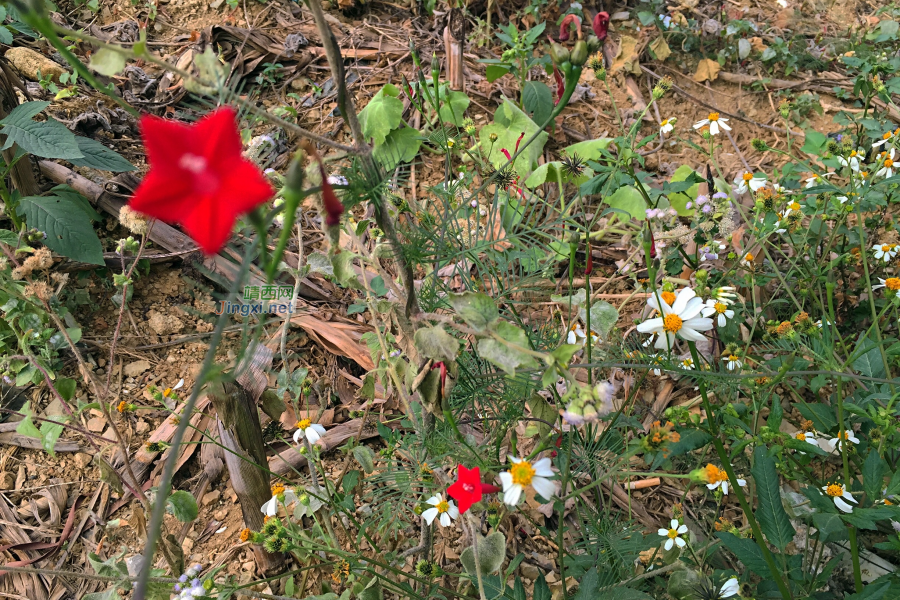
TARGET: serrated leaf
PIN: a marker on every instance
(47, 139)
(476, 309)
(68, 228)
(873, 471)
(870, 362)
(747, 552)
(495, 72)
(365, 457)
(538, 100)
(773, 519)
(6, 36)
(98, 156)
(64, 191)
(10, 238)
(541, 589)
(110, 594)
(183, 505)
(587, 586)
(504, 356)
(381, 115)
(830, 527)
(107, 62)
(436, 344)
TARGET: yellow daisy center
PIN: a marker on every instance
(843, 435)
(442, 507)
(892, 283)
(794, 206)
(672, 323)
(863, 174)
(888, 503)
(886, 136)
(748, 176)
(668, 297)
(852, 153)
(277, 489)
(888, 162)
(672, 534)
(167, 392)
(834, 490)
(749, 257)
(304, 424)
(664, 123)
(885, 247)
(800, 436)
(522, 473)
(720, 307)
(713, 117)
(733, 358)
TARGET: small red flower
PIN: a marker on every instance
(601, 25)
(468, 489)
(198, 177)
(564, 27)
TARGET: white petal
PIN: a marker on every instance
(682, 299)
(731, 588)
(542, 468)
(570, 339)
(512, 495)
(312, 435)
(663, 532)
(506, 480)
(297, 435)
(725, 487)
(848, 496)
(714, 127)
(673, 524)
(270, 508)
(453, 511)
(445, 520)
(689, 334)
(723, 123)
(429, 515)
(699, 323)
(434, 500)
(669, 543)
(843, 506)
(289, 497)
(680, 542)
(722, 321)
(178, 385)
(318, 428)
(682, 529)
(544, 487)
(713, 486)
(651, 325)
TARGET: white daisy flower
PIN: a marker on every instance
(312, 431)
(809, 437)
(887, 167)
(836, 442)
(724, 294)
(680, 318)
(839, 494)
(718, 478)
(673, 535)
(715, 122)
(733, 362)
(281, 495)
(885, 251)
(523, 474)
(747, 261)
(667, 126)
(577, 335)
(168, 392)
(687, 364)
(891, 283)
(720, 309)
(445, 508)
(817, 179)
(852, 161)
(748, 180)
(732, 587)
(884, 139)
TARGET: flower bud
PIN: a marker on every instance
(759, 145)
(558, 53)
(593, 43)
(579, 54)
(435, 66)
(493, 137)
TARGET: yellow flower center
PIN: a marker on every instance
(450, 143)
(668, 297)
(687, 363)
(888, 162)
(800, 436)
(888, 503)
(852, 153)
(720, 307)
(277, 490)
(843, 435)
(733, 358)
(672, 323)
(748, 176)
(664, 123)
(672, 534)
(885, 247)
(714, 474)
(713, 117)
(442, 507)
(863, 174)
(892, 283)
(303, 424)
(522, 473)
(794, 206)
(834, 490)
(167, 392)
(245, 535)
(886, 136)
(749, 257)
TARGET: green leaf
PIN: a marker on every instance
(436, 344)
(51, 429)
(183, 505)
(873, 471)
(26, 426)
(68, 228)
(603, 317)
(502, 355)
(382, 114)
(491, 554)
(587, 587)
(98, 156)
(48, 139)
(773, 519)
(540, 409)
(830, 526)
(814, 142)
(519, 589)
(495, 72)
(365, 457)
(400, 146)
(547, 172)
(747, 552)
(541, 589)
(624, 593)
(627, 198)
(538, 100)
(110, 594)
(209, 70)
(476, 309)
(453, 107)
(64, 191)
(6, 36)
(589, 149)
(873, 591)
(10, 238)
(509, 124)
(107, 62)
(869, 362)
(679, 200)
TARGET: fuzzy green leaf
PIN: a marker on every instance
(627, 198)
(747, 552)
(400, 146)
(453, 107)
(436, 344)
(476, 309)
(603, 317)
(107, 62)
(504, 356)
(773, 519)
(382, 114)
(491, 554)
(183, 505)
(509, 124)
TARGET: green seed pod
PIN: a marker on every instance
(579, 54)
(558, 53)
(593, 43)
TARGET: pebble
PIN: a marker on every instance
(82, 460)
(134, 564)
(210, 497)
(136, 368)
(248, 566)
(29, 62)
(220, 514)
(529, 572)
(7, 480)
(141, 427)
(96, 424)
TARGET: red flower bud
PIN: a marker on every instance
(560, 85)
(333, 207)
(564, 27)
(518, 141)
(589, 266)
(601, 25)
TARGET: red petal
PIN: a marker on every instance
(165, 141)
(163, 197)
(218, 137)
(210, 224)
(244, 188)
(564, 27)
(333, 207)
(601, 25)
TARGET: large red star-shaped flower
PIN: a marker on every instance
(198, 177)
(468, 489)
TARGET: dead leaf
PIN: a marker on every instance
(627, 57)
(784, 19)
(757, 44)
(707, 70)
(660, 48)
